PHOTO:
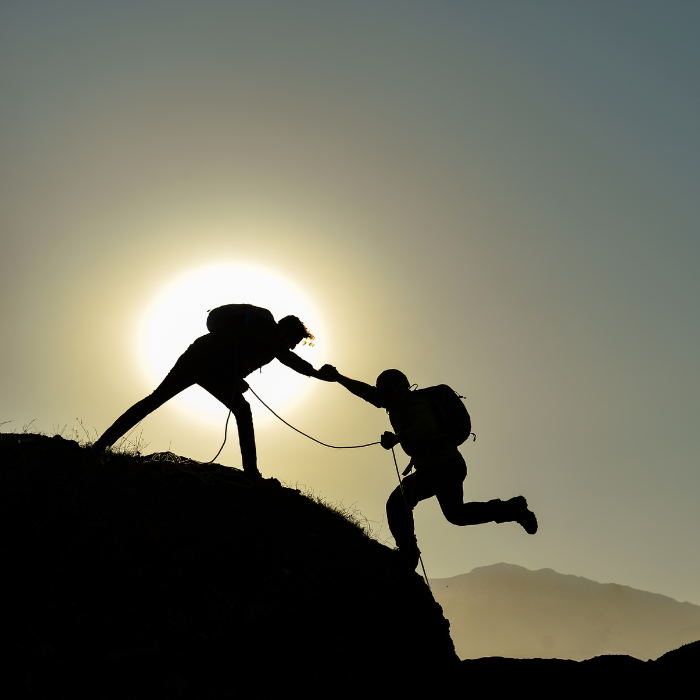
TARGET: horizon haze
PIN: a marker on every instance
(510, 611)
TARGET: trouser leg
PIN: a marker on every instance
(400, 520)
(127, 421)
(227, 389)
(450, 496)
(178, 379)
(399, 508)
(246, 433)
(473, 513)
(218, 374)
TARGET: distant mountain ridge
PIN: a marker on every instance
(508, 610)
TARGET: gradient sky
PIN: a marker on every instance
(501, 196)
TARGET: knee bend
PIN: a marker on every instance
(395, 501)
(398, 501)
(455, 518)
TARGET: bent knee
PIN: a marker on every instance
(395, 499)
(454, 518)
(399, 500)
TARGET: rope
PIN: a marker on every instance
(229, 408)
(335, 447)
(225, 435)
(408, 513)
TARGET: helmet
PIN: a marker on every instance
(391, 382)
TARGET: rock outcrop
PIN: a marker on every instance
(135, 576)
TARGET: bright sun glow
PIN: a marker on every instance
(178, 316)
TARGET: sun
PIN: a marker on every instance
(177, 316)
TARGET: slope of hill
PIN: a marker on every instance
(132, 576)
(507, 610)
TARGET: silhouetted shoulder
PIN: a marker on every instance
(370, 394)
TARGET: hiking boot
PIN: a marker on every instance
(519, 513)
(254, 475)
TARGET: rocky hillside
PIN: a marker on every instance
(135, 575)
(147, 577)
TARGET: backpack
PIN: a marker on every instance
(451, 413)
(239, 319)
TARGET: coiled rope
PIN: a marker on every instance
(173, 462)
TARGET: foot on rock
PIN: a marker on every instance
(254, 475)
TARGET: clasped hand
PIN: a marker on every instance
(388, 440)
(327, 373)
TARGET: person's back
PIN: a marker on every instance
(242, 336)
(413, 416)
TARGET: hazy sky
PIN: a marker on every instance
(501, 196)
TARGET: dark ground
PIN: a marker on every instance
(129, 577)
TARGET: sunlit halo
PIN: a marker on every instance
(178, 316)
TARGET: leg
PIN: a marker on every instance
(179, 378)
(246, 435)
(450, 495)
(227, 389)
(399, 512)
(473, 513)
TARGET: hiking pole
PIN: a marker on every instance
(408, 513)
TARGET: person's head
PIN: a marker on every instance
(392, 384)
(293, 331)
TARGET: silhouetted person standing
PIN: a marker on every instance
(241, 339)
(440, 469)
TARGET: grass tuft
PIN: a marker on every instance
(128, 446)
(351, 512)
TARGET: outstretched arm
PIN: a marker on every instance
(298, 364)
(293, 361)
(364, 391)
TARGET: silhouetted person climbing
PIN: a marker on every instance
(440, 469)
(241, 339)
